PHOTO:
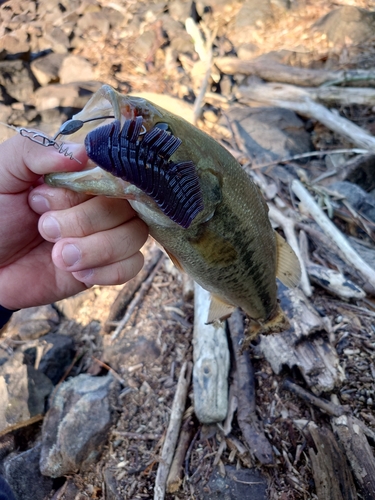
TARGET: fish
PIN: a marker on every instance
(198, 202)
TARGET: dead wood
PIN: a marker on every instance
(167, 452)
(211, 363)
(332, 476)
(334, 282)
(246, 410)
(176, 472)
(273, 71)
(358, 452)
(127, 293)
(349, 255)
(298, 100)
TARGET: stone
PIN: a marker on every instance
(23, 390)
(71, 95)
(14, 44)
(145, 44)
(96, 21)
(270, 133)
(237, 483)
(180, 10)
(76, 69)
(58, 353)
(17, 80)
(23, 475)
(46, 69)
(347, 24)
(58, 39)
(33, 322)
(77, 424)
(361, 201)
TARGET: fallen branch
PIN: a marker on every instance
(246, 410)
(296, 99)
(178, 408)
(211, 363)
(277, 72)
(348, 253)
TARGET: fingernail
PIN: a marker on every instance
(83, 275)
(51, 228)
(40, 204)
(71, 254)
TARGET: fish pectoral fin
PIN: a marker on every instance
(175, 260)
(288, 267)
(219, 310)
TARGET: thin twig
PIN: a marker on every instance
(137, 299)
(348, 253)
(312, 154)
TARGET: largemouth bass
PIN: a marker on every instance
(196, 199)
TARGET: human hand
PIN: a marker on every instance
(81, 241)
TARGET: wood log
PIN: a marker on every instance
(358, 452)
(332, 476)
(273, 71)
(298, 100)
(211, 363)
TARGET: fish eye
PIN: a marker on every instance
(163, 126)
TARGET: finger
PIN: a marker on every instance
(113, 274)
(22, 162)
(45, 198)
(100, 249)
(93, 216)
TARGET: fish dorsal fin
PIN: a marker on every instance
(288, 267)
(175, 261)
(219, 310)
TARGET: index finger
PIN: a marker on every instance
(23, 161)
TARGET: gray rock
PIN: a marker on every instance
(237, 484)
(23, 475)
(129, 352)
(347, 23)
(17, 79)
(33, 322)
(357, 197)
(23, 390)
(76, 69)
(46, 69)
(271, 133)
(70, 95)
(145, 44)
(77, 424)
(58, 39)
(14, 44)
(96, 21)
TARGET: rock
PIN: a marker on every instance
(58, 39)
(23, 475)
(271, 133)
(347, 24)
(23, 391)
(58, 353)
(144, 45)
(180, 10)
(77, 424)
(127, 352)
(17, 79)
(96, 21)
(253, 13)
(46, 69)
(14, 44)
(361, 201)
(33, 322)
(76, 69)
(70, 95)
(241, 483)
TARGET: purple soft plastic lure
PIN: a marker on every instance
(144, 161)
